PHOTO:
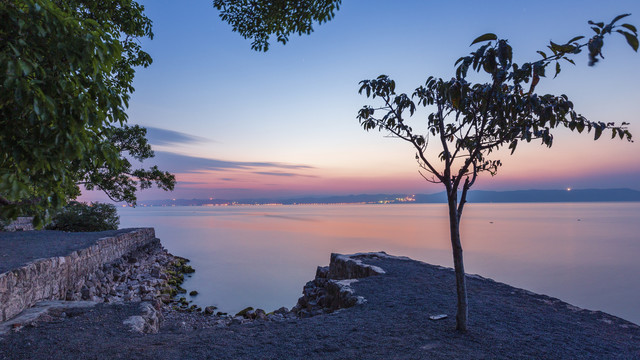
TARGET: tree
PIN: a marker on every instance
(66, 73)
(259, 19)
(469, 121)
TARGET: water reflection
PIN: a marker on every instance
(262, 255)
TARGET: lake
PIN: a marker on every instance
(261, 256)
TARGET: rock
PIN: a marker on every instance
(136, 323)
(322, 272)
(85, 293)
(260, 314)
(193, 293)
(244, 311)
(148, 322)
(283, 310)
(165, 298)
(209, 310)
(331, 290)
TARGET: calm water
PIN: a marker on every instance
(261, 256)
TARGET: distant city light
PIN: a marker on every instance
(568, 189)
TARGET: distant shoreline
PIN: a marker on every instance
(477, 196)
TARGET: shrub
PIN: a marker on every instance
(77, 217)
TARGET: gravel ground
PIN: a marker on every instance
(505, 323)
(22, 247)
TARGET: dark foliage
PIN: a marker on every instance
(66, 75)
(83, 217)
(259, 20)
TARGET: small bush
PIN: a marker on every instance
(77, 217)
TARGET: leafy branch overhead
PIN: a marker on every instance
(260, 19)
(116, 177)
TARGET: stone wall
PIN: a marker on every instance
(20, 224)
(51, 278)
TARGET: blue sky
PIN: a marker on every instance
(232, 122)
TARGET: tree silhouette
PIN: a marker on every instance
(469, 121)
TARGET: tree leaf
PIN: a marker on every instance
(598, 133)
(630, 27)
(599, 24)
(575, 39)
(632, 39)
(485, 37)
(618, 18)
(557, 69)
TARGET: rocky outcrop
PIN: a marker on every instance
(148, 322)
(82, 274)
(331, 289)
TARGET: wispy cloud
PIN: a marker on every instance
(177, 163)
(160, 137)
(274, 173)
(279, 173)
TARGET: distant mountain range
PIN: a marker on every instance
(477, 196)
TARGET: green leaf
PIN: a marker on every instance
(24, 67)
(542, 54)
(36, 107)
(485, 37)
(575, 39)
(630, 27)
(598, 133)
(632, 39)
(618, 18)
(557, 69)
(599, 24)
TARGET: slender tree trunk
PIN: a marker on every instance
(461, 286)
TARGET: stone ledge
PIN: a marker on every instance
(52, 278)
(331, 289)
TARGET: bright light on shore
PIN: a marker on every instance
(568, 189)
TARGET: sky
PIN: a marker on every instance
(233, 123)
